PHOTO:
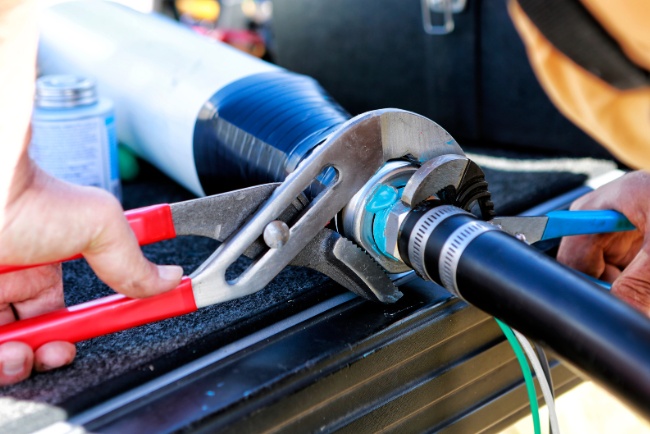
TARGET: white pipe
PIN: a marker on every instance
(158, 74)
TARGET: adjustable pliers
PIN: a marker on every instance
(272, 224)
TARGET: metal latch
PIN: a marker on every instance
(445, 7)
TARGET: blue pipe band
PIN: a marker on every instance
(257, 129)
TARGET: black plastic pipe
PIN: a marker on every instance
(545, 301)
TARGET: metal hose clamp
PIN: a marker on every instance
(425, 226)
(453, 249)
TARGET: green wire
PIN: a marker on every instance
(528, 376)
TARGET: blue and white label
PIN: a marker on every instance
(80, 151)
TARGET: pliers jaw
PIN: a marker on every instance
(562, 223)
(355, 151)
(374, 216)
(220, 216)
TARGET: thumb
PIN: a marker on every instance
(633, 285)
(48, 219)
(115, 256)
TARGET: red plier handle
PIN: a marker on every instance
(114, 313)
(100, 317)
(150, 224)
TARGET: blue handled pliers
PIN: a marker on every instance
(556, 224)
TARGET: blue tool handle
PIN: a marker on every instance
(565, 223)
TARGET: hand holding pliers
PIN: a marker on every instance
(274, 224)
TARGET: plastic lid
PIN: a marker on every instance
(59, 91)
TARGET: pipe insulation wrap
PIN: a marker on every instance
(258, 129)
(170, 86)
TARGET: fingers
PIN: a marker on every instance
(7, 314)
(611, 273)
(633, 285)
(583, 253)
(54, 355)
(45, 220)
(16, 361)
(605, 255)
(51, 220)
(32, 292)
(115, 256)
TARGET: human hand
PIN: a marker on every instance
(44, 220)
(622, 258)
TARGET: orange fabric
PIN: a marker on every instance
(620, 120)
(627, 22)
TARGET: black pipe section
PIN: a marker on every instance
(549, 303)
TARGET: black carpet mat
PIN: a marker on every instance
(108, 365)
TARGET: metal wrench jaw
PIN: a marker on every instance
(408, 137)
(449, 179)
(356, 219)
(356, 150)
(527, 229)
(409, 134)
(340, 259)
(453, 180)
(436, 167)
(220, 215)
